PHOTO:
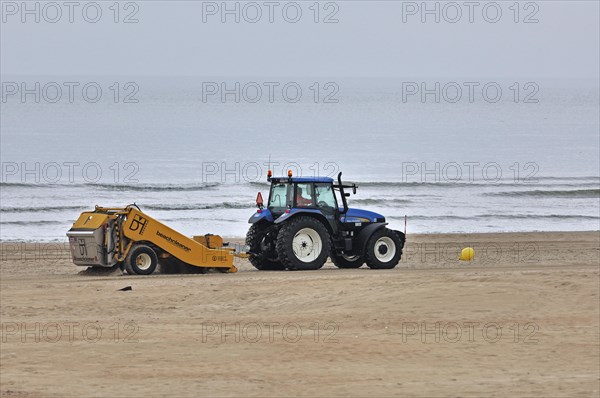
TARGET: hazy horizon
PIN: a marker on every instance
(189, 39)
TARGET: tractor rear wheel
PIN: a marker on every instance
(258, 239)
(141, 260)
(346, 261)
(384, 249)
(303, 244)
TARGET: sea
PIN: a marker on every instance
(193, 152)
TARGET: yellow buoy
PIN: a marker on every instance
(467, 254)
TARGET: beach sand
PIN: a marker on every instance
(522, 319)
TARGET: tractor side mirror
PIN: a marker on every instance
(259, 201)
(354, 189)
(347, 194)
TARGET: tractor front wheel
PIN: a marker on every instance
(384, 249)
(303, 244)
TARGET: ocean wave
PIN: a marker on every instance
(539, 216)
(449, 217)
(29, 185)
(550, 178)
(260, 184)
(36, 222)
(197, 206)
(500, 217)
(576, 193)
(411, 184)
(164, 207)
(200, 220)
(576, 182)
(475, 184)
(156, 187)
(40, 209)
(378, 201)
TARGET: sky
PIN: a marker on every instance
(542, 39)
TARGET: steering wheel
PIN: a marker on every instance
(323, 204)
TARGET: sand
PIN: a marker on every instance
(520, 320)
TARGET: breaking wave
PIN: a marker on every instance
(197, 206)
(575, 193)
(116, 187)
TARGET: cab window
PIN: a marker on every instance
(279, 198)
(304, 195)
(325, 196)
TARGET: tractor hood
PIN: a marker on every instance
(358, 215)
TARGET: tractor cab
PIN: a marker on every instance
(289, 195)
(301, 192)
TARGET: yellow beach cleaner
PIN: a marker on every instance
(127, 237)
(467, 254)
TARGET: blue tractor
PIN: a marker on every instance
(304, 223)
